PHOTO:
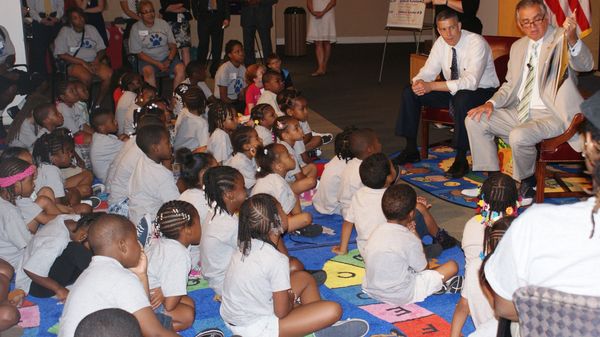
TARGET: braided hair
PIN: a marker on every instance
(499, 192)
(87, 219)
(281, 125)
(265, 157)
(8, 168)
(259, 216)
(342, 144)
(494, 233)
(240, 137)
(217, 181)
(192, 166)
(194, 99)
(286, 98)
(175, 215)
(259, 111)
(51, 144)
(12, 152)
(218, 113)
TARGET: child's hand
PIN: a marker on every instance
(61, 294)
(156, 297)
(423, 201)
(412, 226)
(141, 267)
(338, 250)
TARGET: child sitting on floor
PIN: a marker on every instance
(395, 266)
(196, 76)
(116, 278)
(44, 119)
(169, 261)
(9, 314)
(274, 162)
(225, 193)
(304, 176)
(105, 144)
(222, 120)
(151, 184)
(191, 128)
(273, 85)
(190, 184)
(245, 142)
(326, 200)
(264, 117)
(254, 75)
(498, 198)
(261, 296)
(75, 115)
(146, 94)
(273, 62)
(229, 79)
(129, 87)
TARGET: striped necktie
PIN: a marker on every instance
(453, 76)
(525, 102)
(48, 7)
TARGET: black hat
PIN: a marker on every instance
(591, 109)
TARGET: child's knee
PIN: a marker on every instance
(295, 264)
(82, 209)
(44, 202)
(46, 192)
(9, 316)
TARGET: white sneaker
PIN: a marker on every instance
(470, 192)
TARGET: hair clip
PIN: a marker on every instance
(258, 169)
(256, 122)
(280, 126)
(266, 151)
(213, 204)
(183, 89)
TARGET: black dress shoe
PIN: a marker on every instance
(458, 169)
(407, 157)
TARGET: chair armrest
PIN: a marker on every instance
(551, 144)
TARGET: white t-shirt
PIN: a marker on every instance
(128, 124)
(231, 77)
(217, 245)
(104, 284)
(126, 100)
(393, 255)
(28, 208)
(103, 150)
(43, 249)
(49, 176)
(197, 197)
(169, 264)
(325, 200)
(548, 246)
(68, 41)
(350, 183)
(270, 98)
(305, 127)
(28, 135)
(472, 245)
(178, 106)
(6, 46)
(191, 131)
(290, 175)
(75, 116)
(14, 234)
(150, 186)
(219, 144)
(120, 170)
(246, 166)
(265, 134)
(250, 282)
(365, 213)
(273, 184)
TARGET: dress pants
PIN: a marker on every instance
(522, 138)
(210, 28)
(42, 37)
(264, 33)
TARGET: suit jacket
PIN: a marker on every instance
(260, 15)
(200, 9)
(566, 103)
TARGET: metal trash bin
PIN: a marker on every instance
(295, 31)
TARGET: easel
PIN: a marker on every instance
(388, 28)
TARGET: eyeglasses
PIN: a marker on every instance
(534, 22)
(148, 12)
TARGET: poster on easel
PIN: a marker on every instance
(406, 14)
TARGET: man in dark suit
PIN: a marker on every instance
(257, 15)
(213, 18)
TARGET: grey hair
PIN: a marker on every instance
(530, 3)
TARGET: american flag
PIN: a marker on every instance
(561, 9)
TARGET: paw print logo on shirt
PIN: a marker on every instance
(87, 44)
(155, 40)
(239, 84)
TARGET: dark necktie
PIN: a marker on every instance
(453, 76)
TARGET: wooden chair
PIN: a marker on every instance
(500, 46)
(557, 150)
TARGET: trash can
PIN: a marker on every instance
(295, 31)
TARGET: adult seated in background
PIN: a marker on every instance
(212, 17)
(552, 246)
(153, 42)
(46, 15)
(82, 47)
(7, 51)
(524, 111)
(93, 15)
(467, 12)
(466, 60)
(257, 15)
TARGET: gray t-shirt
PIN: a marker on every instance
(68, 41)
(6, 46)
(231, 77)
(153, 41)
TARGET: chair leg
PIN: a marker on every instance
(540, 183)
(424, 139)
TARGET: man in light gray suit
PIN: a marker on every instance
(525, 111)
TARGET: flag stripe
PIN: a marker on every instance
(563, 8)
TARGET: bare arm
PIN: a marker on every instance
(48, 283)
(150, 325)
(505, 308)
(283, 302)
(342, 249)
(128, 11)
(98, 9)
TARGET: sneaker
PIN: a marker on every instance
(213, 332)
(352, 327)
(470, 192)
(95, 201)
(145, 230)
(443, 238)
(98, 189)
(310, 231)
(319, 275)
(452, 286)
(326, 138)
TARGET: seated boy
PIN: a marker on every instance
(273, 84)
(45, 118)
(105, 145)
(116, 278)
(395, 265)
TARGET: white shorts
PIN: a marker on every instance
(29, 209)
(427, 282)
(262, 327)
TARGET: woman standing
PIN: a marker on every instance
(177, 14)
(321, 31)
(467, 12)
(93, 15)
